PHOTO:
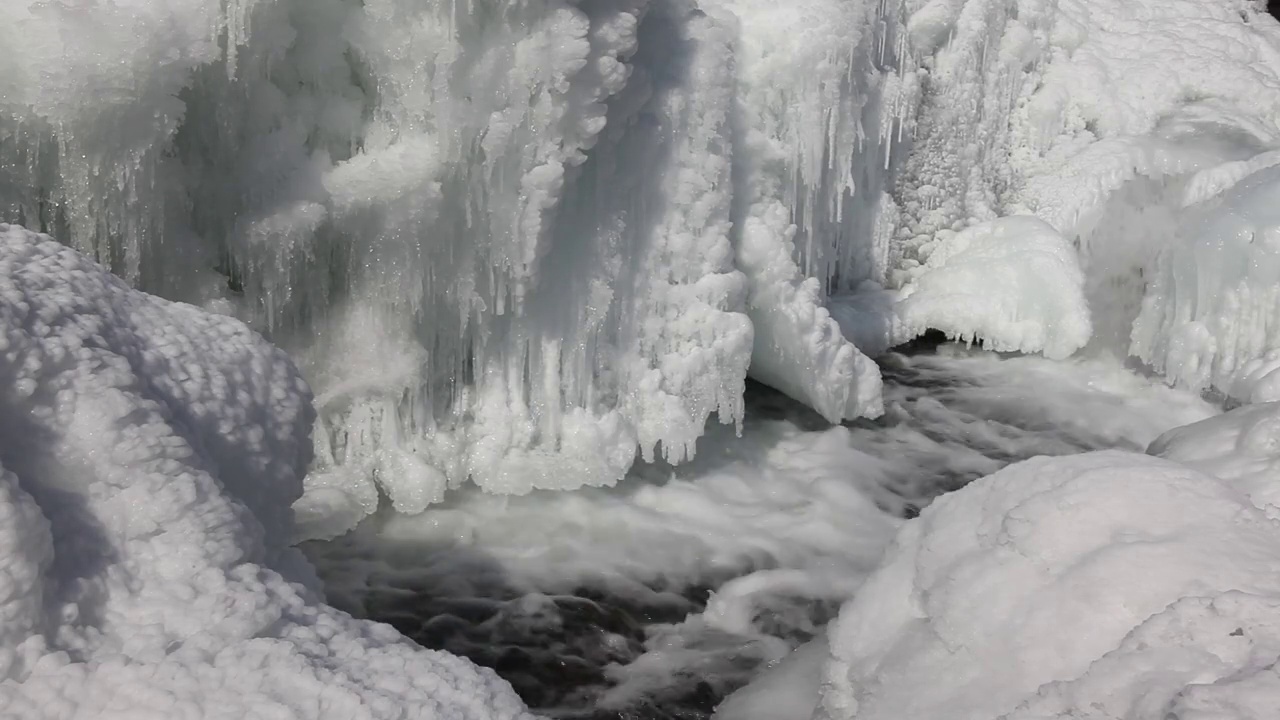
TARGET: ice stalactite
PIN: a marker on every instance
(824, 101)
(523, 244)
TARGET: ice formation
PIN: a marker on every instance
(1212, 315)
(149, 453)
(525, 244)
(1013, 282)
(512, 244)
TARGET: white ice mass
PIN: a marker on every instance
(532, 245)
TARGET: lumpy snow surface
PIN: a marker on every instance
(149, 453)
(1040, 591)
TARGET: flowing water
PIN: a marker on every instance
(657, 598)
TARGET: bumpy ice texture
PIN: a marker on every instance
(1124, 126)
(149, 453)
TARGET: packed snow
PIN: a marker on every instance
(565, 245)
(150, 453)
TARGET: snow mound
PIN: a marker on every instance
(1014, 283)
(148, 456)
(1055, 570)
(1201, 658)
(1241, 447)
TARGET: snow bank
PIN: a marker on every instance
(148, 455)
(1096, 583)
(1012, 283)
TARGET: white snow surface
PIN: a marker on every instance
(1242, 446)
(1092, 584)
(149, 453)
(524, 244)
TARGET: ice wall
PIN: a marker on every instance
(149, 453)
(517, 243)
(1123, 145)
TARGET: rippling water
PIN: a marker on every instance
(657, 598)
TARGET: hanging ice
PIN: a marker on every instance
(1109, 584)
(510, 243)
(1212, 314)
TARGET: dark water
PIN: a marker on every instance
(943, 427)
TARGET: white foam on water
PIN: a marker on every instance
(780, 525)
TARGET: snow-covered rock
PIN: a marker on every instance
(1105, 585)
(149, 453)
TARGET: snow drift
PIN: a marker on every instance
(149, 453)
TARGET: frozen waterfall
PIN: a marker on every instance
(526, 243)
(509, 242)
